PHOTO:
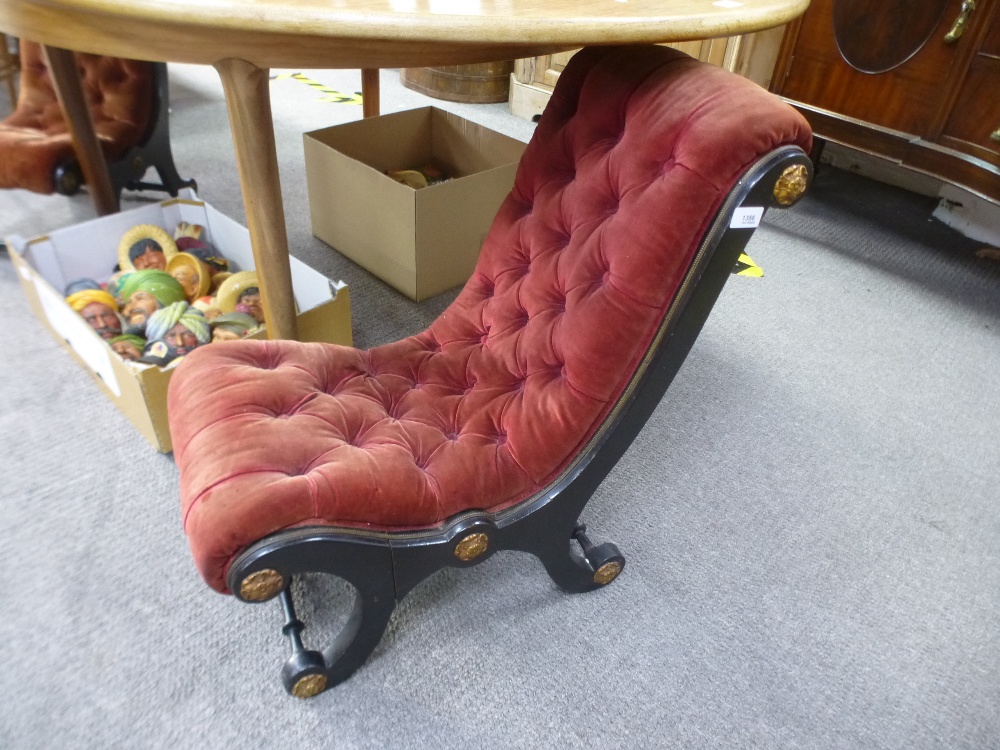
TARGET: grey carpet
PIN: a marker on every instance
(810, 518)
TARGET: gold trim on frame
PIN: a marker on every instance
(472, 547)
(791, 185)
(262, 585)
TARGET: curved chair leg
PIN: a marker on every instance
(154, 151)
(266, 570)
(592, 567)
(308, 673)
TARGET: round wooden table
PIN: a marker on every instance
(242, 39)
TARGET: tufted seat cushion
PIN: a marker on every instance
(34, 139)
(625, 171)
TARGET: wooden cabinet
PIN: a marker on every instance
(915, 82)
(750, 55)
(532, 82)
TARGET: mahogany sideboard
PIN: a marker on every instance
(915, 82)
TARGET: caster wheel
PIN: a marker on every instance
(304, 674)
(607, 562)
(67, 177)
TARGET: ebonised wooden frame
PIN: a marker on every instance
(152, 151)
(384, 567)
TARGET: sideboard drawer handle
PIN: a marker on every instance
(958, 28)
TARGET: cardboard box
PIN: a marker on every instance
(90, 250)
(422, 241)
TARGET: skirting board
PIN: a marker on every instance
(963, 211)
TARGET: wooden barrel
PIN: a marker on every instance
(482, 83)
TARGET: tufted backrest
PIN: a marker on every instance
(632, 159)
(35, 137)
(625, 171)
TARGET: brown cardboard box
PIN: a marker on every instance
(423, 241)
(90, 250)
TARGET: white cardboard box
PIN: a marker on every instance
(48, 263)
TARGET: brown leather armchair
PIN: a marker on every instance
(128, 105)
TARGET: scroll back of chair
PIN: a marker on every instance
(629, 165)
(34, 139)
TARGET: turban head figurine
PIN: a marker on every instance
(79, 285)
(208, 307)
(99, 309)
(181, 326)
(128, 346)
(144, 292)
(232, 326)
(241, 293)
(145, 246)
(114, 286)
(192, 274)
(203, 252)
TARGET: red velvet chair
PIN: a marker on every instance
(491, 429)
(128, 105)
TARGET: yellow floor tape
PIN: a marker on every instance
(331, 95)
(746, 267)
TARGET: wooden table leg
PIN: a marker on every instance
(69, 92)
(9, 69)
(248, 99)
(369, 92)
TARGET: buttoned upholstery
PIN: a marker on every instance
(34, 139)
(627, 167)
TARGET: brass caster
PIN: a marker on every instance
(309, 686)
(304, 674)
(607, 573)
(606, 560)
